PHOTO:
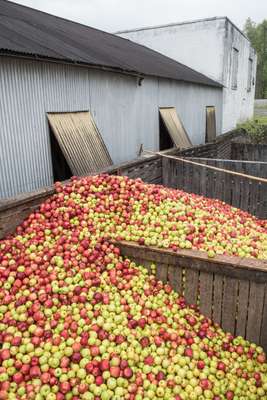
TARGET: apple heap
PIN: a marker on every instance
(78, 321)
(125, 209)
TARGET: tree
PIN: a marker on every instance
(257, 34)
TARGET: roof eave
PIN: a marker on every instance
(136, 74)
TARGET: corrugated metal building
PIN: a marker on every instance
(50, 65)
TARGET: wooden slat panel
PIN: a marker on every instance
(229, 304)
(166, 166)
(191, 286)
(187, 178)
(217, 298)
(242, 308)
(263, 338)
(210, 187)
(228, 189)
(255, 311)
(202, 181)
(219, 185)
(162, 272)
(236, 189)
(175, 277)
(263, 202)
(206, 289)
(144, 263)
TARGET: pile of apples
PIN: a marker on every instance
(78, 321)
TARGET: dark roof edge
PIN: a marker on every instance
(37, 57)
(195, 21)
(41, 58)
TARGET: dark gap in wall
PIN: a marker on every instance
(165, 141)
(61, 169)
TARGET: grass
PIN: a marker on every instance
(262, 119)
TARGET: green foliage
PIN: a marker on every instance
(257, 34)
(256, 130)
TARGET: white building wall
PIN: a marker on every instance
(238, 104)
(199, 45)
(125, 113)
(206, 46)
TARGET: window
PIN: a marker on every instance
(234, 68)
(250, 67)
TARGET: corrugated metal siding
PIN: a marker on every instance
(126, 114)
(26, 160)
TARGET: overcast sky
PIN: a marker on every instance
(113, 15)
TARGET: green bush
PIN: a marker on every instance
(256, 130)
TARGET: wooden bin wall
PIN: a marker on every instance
(240, 192)
(231, 291)
(249, 151)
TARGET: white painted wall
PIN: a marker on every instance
(238, 105)
(126, 114)
(206, 46)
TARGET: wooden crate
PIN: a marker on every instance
(230, 290)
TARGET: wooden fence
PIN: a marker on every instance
(248, 151)
(221, 147)
(240, 192)
(13, 211)
(229, 290)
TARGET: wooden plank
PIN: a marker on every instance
(144, 263)
(244, 195)
(210, 187)
(255, 311)
(166, 171)
(162, 272)
(235, 267)
(180, 170)
(206, 293)
(202, 181)
(253, 200)
(175, 277)
(217, 298)
(187, 178)
(191, 286)
(230, 292)
(261, 210)
(263, 338)
(227, 193)
(236, 189)
(219, 185)
(242, 308)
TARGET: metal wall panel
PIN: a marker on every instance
(127, 115)
(190, 102)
